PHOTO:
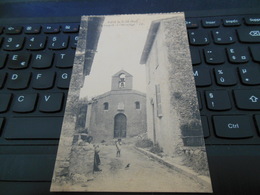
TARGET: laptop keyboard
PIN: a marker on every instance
(36, 63)
(225, 57)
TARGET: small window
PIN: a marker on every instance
(137, 105)
(106, 106)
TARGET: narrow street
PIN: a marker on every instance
(134, 171)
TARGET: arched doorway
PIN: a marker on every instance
(120, 126)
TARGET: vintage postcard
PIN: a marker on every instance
(132, 122)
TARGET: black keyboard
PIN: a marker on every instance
(225, 57)
(35, 67)
(36, 62)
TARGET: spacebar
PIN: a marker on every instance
(26, 167)
(33, 128)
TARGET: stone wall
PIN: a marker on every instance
(101, 121)
(82, 161)
(169, 68)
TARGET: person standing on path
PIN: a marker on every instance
(97, 161)
(118, 148)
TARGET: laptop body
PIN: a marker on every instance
(233, 163)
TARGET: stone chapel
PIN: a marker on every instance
(118, 113)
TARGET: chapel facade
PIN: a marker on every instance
(118, 113)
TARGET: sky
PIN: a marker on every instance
(120, 46)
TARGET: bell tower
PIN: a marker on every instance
(122, 80)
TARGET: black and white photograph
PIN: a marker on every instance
(132, 121)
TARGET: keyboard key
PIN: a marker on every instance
(1, 40)
(36, 43)
(70, 28)
(202, 76)
(18, 80)
(18, 60)
(1, 29)
(255, 52)
(43, 80)
(1, 125)
(225, 76)
(42, 60)
(192, 23)
(210, 23)
(3, 58)
(51, 28)
(223, 37)
(22, 168)
(233, 126)
(4, 102)
(73, 41)
(57, 42)
(13, 30)
(250, 75)
(195, 56)
(24, 103)
(205, 126)
(33, 128)
(64, 60)
(2, 79)
(257, 119)
(237, 55)
(218, 100)
(51, 102)
(64, 79)
(198, 37)
(13, 43)
(252, 20)
(214, 56)
(199, 100)
(231, 22)
(32, 29)
(251, 35)
(247, 99)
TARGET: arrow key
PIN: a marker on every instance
(247, 99)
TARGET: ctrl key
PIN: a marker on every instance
(233, 126)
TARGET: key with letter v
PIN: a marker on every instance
(51, 102)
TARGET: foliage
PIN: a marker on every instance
(144, 143)
(196, 159)
(156, 149)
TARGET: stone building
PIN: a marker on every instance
(173, 118)
(119, 113)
